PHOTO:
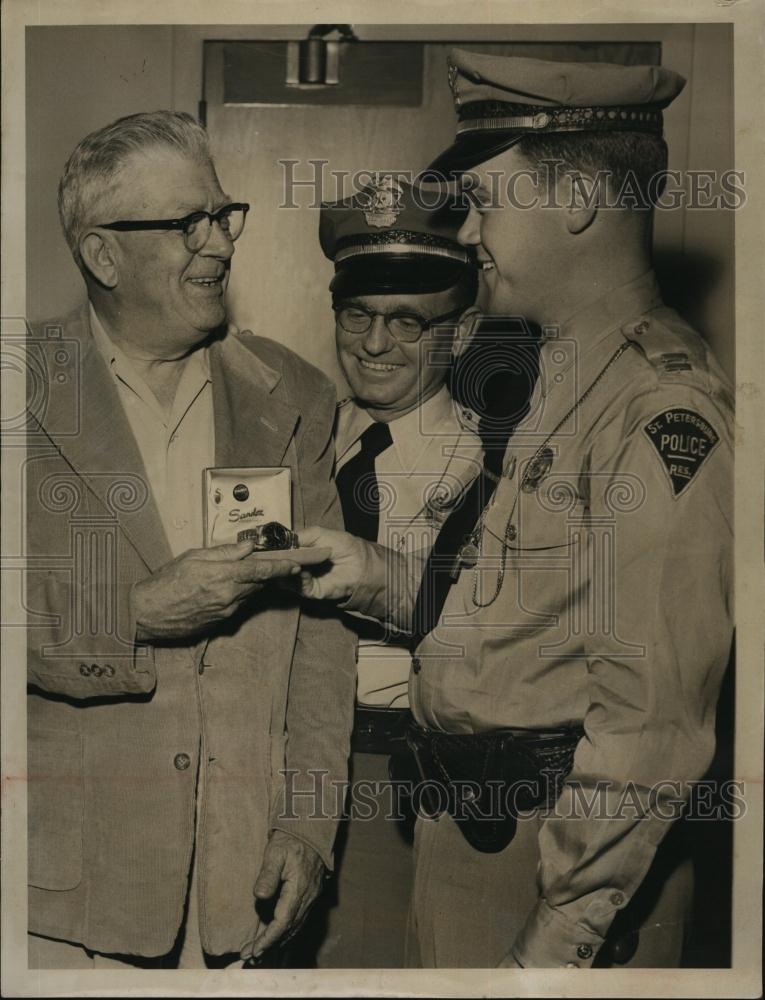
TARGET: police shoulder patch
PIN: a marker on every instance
(683, 440)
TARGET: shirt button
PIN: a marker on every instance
(641, 328)
(584, 951)
(512, 533)
(416, 664)
(181, 761)
(617, 898)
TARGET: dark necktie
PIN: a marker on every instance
(357, 484)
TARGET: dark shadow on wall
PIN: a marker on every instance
(689, 282)
(711, 845)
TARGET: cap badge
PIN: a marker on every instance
(383, 201)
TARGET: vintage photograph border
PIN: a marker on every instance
(743, 979)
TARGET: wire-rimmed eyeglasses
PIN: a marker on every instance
(405, 326)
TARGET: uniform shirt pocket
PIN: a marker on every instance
(547, 515)
(55, 809)
(544, 556)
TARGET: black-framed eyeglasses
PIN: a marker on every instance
(402, 325)
(195, 227)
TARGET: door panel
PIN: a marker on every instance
(280, 276)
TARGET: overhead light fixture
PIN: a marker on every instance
(315, 61)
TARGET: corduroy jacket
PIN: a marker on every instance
(262, 706)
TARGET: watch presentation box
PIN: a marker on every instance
(235, 499)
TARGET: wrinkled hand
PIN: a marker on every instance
(299, 870)
(200, 588)
(337, 579)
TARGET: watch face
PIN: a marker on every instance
(275, 536)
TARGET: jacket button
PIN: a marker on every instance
(584, 951)
(109, 670)
(416, 664)
(95, 670)
(85, 670)
(625, 947)
(617, 898)
(181, 761)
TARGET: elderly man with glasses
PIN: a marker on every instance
(187, 719)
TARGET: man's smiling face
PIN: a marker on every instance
(388, 376)
(517, 240)
(175, 294)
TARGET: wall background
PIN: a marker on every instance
(79, 78)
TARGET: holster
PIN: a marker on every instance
(485, 780)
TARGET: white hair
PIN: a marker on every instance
(92, 168)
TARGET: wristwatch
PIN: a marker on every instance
(269, 537)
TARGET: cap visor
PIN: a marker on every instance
(405, 275)
(469, 150)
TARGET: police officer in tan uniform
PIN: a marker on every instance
(405, 453)
(589, 623)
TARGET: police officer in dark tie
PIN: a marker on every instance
(406, 454)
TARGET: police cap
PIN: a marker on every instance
(393, 238)
(500, 99)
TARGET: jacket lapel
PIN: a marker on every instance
(253, 427)
(101, 450)
(350, 424)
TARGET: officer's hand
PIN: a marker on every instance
(201, 588)
(299, 870)
(338, 578)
